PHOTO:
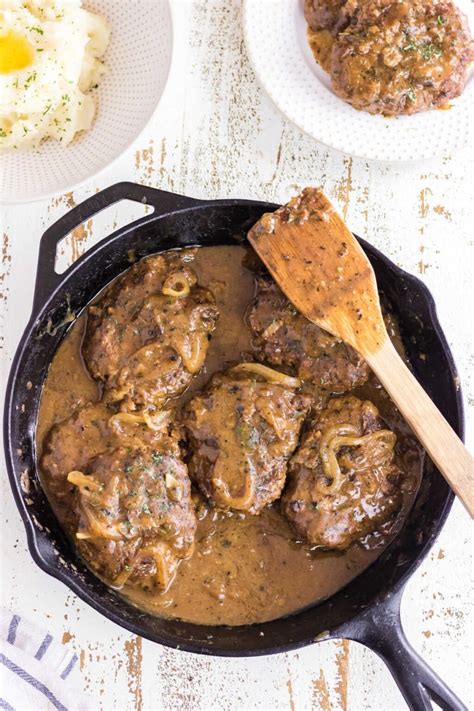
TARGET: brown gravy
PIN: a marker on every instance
(321, 42)
(244, 568)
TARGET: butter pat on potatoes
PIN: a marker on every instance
(50, 59)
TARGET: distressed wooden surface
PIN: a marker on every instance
(217, 135)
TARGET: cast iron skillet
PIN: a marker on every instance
(368, 609)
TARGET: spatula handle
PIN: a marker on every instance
(438, 438)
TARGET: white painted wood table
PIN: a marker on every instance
(217, 135)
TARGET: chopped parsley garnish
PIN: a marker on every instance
(440, 20)
(411, 94)
(429, 51)
(146, 509)
(127, 468)
(36, 29)
(3, 134)
(157, 458)
(409, 46)
(31, 77)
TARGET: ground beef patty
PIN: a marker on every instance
(149, 333)
(330, 15)
(342, 481)
(135, 514)
(402, 57)
(92, 430)
(283, 337)
(325, 15)
(242, 432)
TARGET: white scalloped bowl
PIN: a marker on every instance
(275, 36)
(138, 62)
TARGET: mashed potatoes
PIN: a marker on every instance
(50, 54)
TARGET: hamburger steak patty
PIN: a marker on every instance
(343, 482)
(149, 334)
(242, 432)
(283, 337)
(326, 15)
(402, 57)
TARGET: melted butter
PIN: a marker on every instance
(16, 52)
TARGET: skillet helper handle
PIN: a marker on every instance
(381, 630)
(47, 279)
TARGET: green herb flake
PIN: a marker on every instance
(157, 458)
(146, 509)
(429, 51)
(411, 94)
(409, 46)
(31, 77)
(36, 29)
(440, 20)
(3, 134)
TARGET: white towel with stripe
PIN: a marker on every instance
(37, 673)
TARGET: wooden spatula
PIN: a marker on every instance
(324, 272)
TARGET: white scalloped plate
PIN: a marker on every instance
(275, 35)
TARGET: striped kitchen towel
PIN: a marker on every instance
(36, 672)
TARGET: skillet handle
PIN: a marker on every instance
(46, 277)
(380, 629)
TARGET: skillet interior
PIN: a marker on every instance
(211, 225)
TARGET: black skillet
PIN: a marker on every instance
(368, 609)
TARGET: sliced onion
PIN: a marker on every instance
(83, 481)
(176, 285)
(273, 376)
(244, 501)
(127, 418)
(84, 535)
(154, 422)
(345, 435)
(159, 420)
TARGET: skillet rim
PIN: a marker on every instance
(73, 582)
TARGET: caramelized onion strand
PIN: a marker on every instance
(345, 435)
(273, 376)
